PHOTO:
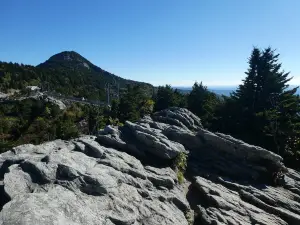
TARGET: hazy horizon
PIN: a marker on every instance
(221, 90)
(222, 87)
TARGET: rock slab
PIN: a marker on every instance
(124, 176)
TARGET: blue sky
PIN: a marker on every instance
(157, 41)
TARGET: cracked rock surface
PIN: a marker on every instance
(123, 176)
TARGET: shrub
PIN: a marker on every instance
(114, 122)
(66, 130)
(180, 177)
(147, 107)
(180, 164)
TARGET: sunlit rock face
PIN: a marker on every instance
(124, 175)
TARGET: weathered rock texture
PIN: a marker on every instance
(123, 176)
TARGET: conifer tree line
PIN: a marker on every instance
(263, 111)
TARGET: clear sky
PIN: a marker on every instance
(159, 41)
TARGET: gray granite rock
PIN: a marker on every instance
(69, 186)
(115, 178)
(229, 203)
(42, 97)
(180, 117)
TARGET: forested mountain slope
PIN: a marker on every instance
(68, 73)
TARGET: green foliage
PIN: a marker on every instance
(28, 121)
(180, 176)
(55, 111)
(181, 161)
(67, 73)
(73, 113)
(147, 107)
(114, 122)
(203, 103)
(95, 119)
(36, 132)
(114, 111)
(189, 215)
(167, 97)
(15, 76)
(6, 81)
(47, 111)
(134, 103)
(263, 111)
(34, 121)
(66, 129)
(180, 164)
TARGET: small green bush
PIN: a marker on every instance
(180, 177)
(180, 164)
(114, 122)
(189, 215)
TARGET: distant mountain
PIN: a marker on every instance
(222, 92)
(226, 90)
(68, 73)
(83, 77)
(218, 90)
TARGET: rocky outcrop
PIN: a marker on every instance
(3, 96)
(43, 97)
(82, 182)
(123, 176)
(55, 101)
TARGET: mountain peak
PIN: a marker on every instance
(70, 57)
(74, 75)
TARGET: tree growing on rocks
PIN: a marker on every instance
(265, 111)
(180, 164)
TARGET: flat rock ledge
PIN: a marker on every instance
(123, 176)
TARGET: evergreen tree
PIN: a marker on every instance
(180, 99)
(246, 93)
(266, 111)
(203, 103)
(167, 97)
(130, 103)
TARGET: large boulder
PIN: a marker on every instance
(123, 176)
(43, 97)
(81, 182)
(179, 117)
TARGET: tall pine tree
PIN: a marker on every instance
(267, 110)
